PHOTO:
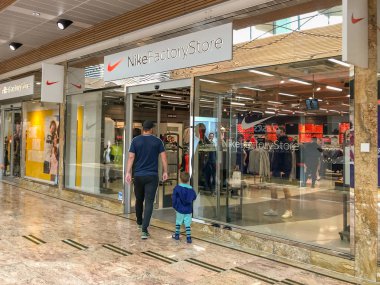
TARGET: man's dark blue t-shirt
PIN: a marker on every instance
(146, 148)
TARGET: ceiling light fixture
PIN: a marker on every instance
(243, 98)
(260, 72)
(275, 102)
(237, 104)
(172, 97)
(207, 101)
(334, 88)
(13, 45)
(63, 23)
(177, 103)
(253, 88)
(274, 109)
(348, 105)
(299, 81)
(209, 81)
(270, 112)
(282, 81)
(286, 94)
(36, 14)
(38, 83)
(339, 62)
(318, 88)
(348, 95)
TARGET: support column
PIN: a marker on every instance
(366, 177)
(62, 134)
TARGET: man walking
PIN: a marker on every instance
(143, 155)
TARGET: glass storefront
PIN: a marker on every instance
(95, 142)
(41, 135)
(272, 151)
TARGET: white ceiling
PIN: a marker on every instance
(18, 24)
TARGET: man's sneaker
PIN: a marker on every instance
(287, 214)
(175, 236)
(145, 235)
(188, 240)
(270, 212)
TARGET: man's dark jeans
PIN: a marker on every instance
(145, 189)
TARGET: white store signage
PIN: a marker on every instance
(203, 47)
(17, 88)
(355, 32)
(52, 83)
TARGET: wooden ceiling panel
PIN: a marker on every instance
(5, 3)
(131, 21)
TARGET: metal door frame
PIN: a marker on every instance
(130, 96)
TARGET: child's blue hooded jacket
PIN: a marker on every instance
(183, 197)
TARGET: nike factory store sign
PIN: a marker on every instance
(17, 88)
(204, 47)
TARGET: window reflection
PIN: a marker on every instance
(278, 161)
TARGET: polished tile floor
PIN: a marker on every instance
(49, 241)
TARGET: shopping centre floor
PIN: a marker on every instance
(44, 240)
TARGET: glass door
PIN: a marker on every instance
(12, 135)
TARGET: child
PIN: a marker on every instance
(183, 197)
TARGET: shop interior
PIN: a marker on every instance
(242, 117)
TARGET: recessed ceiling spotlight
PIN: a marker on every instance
(63, 23)
(13, 46)
(282, 81)
(318, 88)
(36, 14)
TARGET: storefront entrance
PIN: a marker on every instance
(11, 137)
(168, 106)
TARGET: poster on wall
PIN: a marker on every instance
(42, 144)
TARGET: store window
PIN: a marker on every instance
(273, 149)
(94, 142)
(41, 128)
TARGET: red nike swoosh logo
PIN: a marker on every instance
(355, 20)
(51, 82)
(79, 86)
(111, 67)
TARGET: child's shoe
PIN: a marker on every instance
(175, 236)
(188, 239)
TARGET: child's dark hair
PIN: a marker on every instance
(185, 177)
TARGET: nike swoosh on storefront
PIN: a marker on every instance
(246, 125)
(90, 126)
(111, 67)
(355, 20)
(51, 82)
(79, 86)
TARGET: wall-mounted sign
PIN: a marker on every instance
(203, 47)
(17, 88)
(355, 32)
(75, 80)
(52, 83)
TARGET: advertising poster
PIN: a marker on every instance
(41, 155)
